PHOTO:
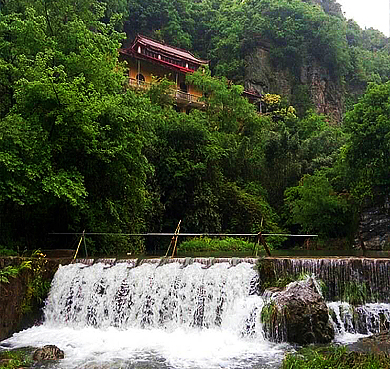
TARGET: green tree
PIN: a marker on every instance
(71, 139)
(367, 151)
(316, 207)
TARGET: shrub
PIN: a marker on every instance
(206, 244)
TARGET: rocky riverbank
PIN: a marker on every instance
(24, 284)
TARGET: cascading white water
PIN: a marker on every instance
(148, 296)
(337, 272)
(169, 316)
(186, 313)
(370, 279)
(351, 322)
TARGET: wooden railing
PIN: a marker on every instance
(180, 96)
(138, 84)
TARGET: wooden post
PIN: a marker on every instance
(85, 245)
(261, 239)
(362, 245)
(78, 246)
(307, 244)
(173, 240)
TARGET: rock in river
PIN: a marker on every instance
(48, 352)
(298, 314)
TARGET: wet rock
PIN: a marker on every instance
(48, 352)
(379, 342)
(298, 314)
(374, 224)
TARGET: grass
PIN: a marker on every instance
(7, 252)
(15, 359)
(355, 293)
(339, 357)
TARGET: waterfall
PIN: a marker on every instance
(362, 319)
(166, 296)
(193, 313)
(163, 314)
(337, 274)
(357, 291)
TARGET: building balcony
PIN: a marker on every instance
(183, 99)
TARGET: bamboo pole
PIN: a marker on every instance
(78, 246)
(173, 239)
(183, 234)
(176, 237)
(256, 247)
(261, 239)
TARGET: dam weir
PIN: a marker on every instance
(193, 313)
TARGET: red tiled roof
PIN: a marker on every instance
(180, 53)
(166, 64)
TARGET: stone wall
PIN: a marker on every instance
(15, 294)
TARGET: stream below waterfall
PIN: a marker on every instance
(177, 315)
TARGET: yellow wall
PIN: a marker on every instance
(148, 70)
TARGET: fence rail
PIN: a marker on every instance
(185, 234)
(179, 95)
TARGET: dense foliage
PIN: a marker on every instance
(296, 32)
(70, 148)
(80, 151)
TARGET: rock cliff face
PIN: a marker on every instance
(374, 225)
(324, 91)
(15, 293)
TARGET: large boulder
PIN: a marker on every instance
(298, 314)
(48, 352)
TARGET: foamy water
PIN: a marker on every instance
(201, 349)
(155, 317)
(170, 316)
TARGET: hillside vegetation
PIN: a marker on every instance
(79, 151)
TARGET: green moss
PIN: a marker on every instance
(269, 279)
(334, 357)
(269, 313)
(37, 286)
(15, 359)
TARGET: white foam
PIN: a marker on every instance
(168, 316)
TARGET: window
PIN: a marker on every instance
(183, 87)
(140, 79)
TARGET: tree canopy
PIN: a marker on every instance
(81, 150)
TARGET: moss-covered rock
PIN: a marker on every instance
(22, 293)
(298, 314)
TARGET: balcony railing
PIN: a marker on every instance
(139, 84)
(180, 96)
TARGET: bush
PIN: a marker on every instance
(205, 244)
(7, 252)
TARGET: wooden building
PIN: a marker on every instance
(148, 58)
